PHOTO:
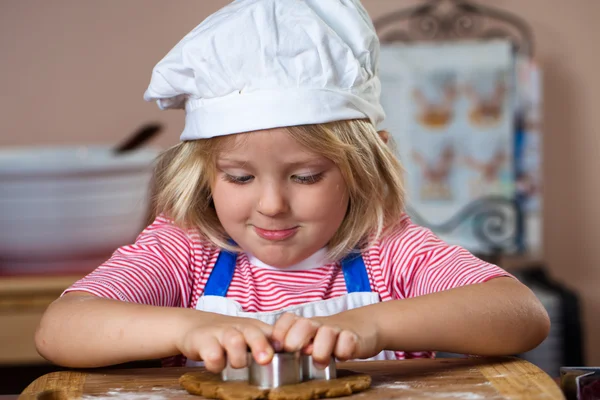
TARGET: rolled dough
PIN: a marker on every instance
(209, 385)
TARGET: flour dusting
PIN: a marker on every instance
(125, 396)
(457, 395)
(403, 385)
(396, 385)
(117, 394)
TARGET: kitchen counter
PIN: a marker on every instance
(23, 300)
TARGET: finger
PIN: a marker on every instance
(346, 345)
(235, 346)
(300, 334)
(212, 354)
(308, 349)
(324, 345)
(265, 328)
(258, 343)
(281, 328)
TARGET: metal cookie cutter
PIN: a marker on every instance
(235, 374)
(311, 372)
(284, 369)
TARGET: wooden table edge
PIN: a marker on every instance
(55, 382)
(492, 368)
(494, 372)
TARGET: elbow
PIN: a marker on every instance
(521, 337)
(46, 338)
(43, 343)
(528, 325)
(536, 327)
(535, 322)
(540, 327)
(58, 337)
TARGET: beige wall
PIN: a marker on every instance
(74, 71)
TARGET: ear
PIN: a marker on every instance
(384, 135)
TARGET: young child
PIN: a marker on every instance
(280, 221)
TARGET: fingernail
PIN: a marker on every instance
(320, 366)
(263, 356)
(277, 346)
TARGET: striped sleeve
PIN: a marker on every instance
(155, 270)
(422, 264)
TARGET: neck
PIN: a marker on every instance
(316, 260)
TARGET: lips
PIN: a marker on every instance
(276, 235)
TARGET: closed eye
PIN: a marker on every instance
(307, 179)
(238, 180)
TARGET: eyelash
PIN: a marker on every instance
(308, 179)
(238, 180)
(303, 180)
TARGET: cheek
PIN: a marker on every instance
(338, 204)
(328, 206)
(227, 201)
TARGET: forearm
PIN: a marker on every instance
(499, 317)
(87, 331)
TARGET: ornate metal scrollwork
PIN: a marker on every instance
(494, 222)
(454, 19)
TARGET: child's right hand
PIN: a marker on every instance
(226, 338)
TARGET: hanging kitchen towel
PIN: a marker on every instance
(450, 108)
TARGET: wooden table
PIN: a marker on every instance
(471, 379)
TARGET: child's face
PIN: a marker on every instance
(276, 199)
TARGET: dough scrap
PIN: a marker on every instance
(209, 385)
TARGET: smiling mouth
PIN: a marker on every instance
(276, 235)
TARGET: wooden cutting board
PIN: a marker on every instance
(469, 379)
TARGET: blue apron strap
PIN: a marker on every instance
(221, 275)
(355, 273)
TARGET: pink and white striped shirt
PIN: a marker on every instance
(167, 266)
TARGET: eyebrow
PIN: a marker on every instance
(289, 164)
(232, 161)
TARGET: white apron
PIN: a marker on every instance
(357, 283)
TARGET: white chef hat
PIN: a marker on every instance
(259, 64)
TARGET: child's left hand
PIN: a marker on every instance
(340, 335)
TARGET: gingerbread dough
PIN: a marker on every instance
(209, 385)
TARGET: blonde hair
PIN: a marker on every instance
(372, 174)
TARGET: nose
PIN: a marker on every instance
(273, 200)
